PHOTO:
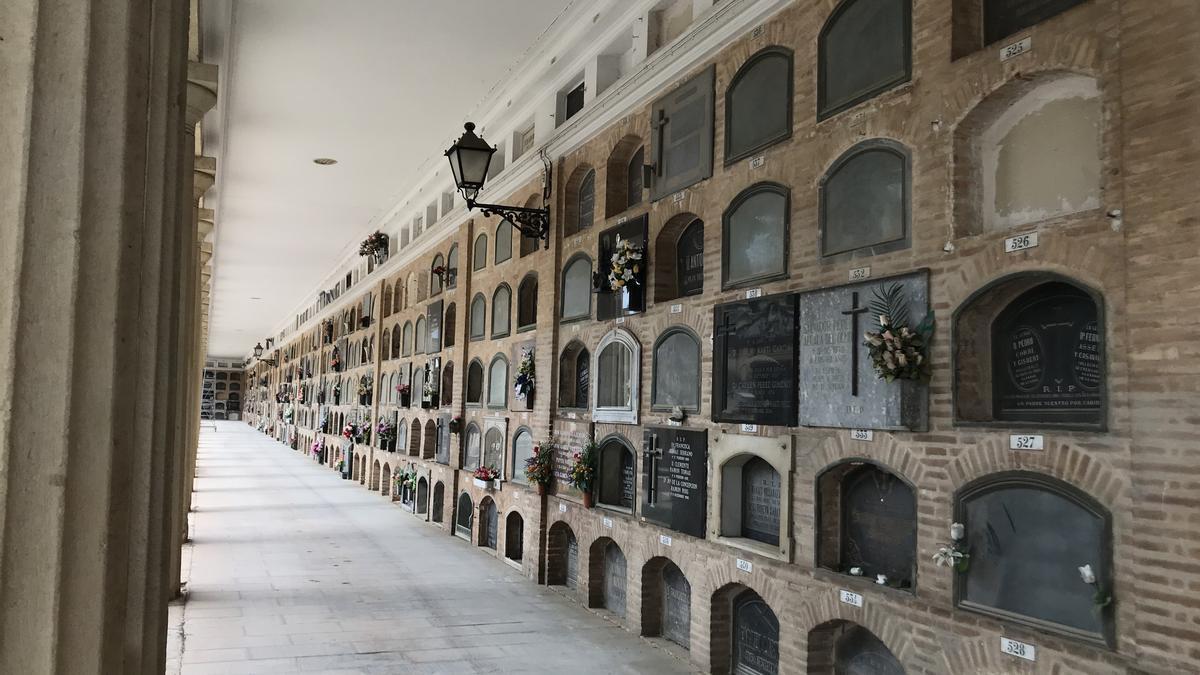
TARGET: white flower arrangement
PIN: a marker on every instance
(626, 264)
(1101, 598)
(955, 553)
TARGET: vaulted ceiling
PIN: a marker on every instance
(379, 85)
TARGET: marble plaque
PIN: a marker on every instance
(677, 607)
(761, 487)
(614, 579)
(838, 385)
(755, 638)
(754, 361)
(675, 466)
(572, 439)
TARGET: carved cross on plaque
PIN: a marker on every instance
(853, 313)
(652, 455)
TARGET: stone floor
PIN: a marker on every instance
(292, 569)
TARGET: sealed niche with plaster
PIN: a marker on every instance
(1028, 153)
(752, 488)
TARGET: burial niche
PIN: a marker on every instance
(755, 636)
(478, 322)
(630, 298)
(754, 361)
(755, 236)
(981, 22)
(562, 556)
(617, 474)
(867, 523)
(452, 267)
(845, 647)
(758, 104)
(475, 382)
(527, 298)
(522, 451)
(422, 496)
(488, 523)
(623, 176)
(676, 378)
(1028, 536)
(1030, 349)
(479, 253)
(666, 602)
(864, 49)
(464, 515)
(751, 499)
(618, 374)
(472, 448)
(493, 449)
(865, 200)
(498, 382)
(680, 248)
(514, 536)
(574, 376)
(504, 236)
(1029, 152)
(577, 288)
(501, 311)
(435, 279)
(439, 496)
(607, 572)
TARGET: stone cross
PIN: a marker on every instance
(853, 313)
(652, 455)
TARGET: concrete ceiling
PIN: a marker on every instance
(379, 85)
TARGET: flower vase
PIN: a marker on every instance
(587, 499)
(529, 399)
(541, 489)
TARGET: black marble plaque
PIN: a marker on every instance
(614, 579)
(632, 297)
(879, 519)
(689, 259)
(754, 361)
(433, 321)
(442, 454)
(1048, 357)
(1002, 18)
(677, 606)
(858, 652)
(572, 561)
(675, 478)
(755, 638)
(838, 385)
(490, 524)
(760, 501)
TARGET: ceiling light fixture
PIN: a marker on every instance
(469, 159)
(325, 161)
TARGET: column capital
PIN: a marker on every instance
(201, 92)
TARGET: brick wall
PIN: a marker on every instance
(1142, 262)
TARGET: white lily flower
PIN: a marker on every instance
(958, 531)
(881, 579)
(856, 571)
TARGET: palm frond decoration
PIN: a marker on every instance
(889, 302)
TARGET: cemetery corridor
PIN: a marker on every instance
(293, 569)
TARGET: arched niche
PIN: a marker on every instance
(607, 576)
(744, 632)
(574, 376)
(666, 602)
(580, 199)
(1029, 349)
(616, 474)
(436, 506)
(464, 516)
(867, 522)
(514, 536)
(562, 556)
(623, 176)
(431, 440)
(837, 647)
(618, 374)
(1028, 534)
(489, 524)
(751, 505)
(422, 496)
(1029, 152)
(679, 249)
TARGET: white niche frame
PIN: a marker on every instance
(724, 451)
(618, 415)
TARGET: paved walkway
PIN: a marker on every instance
(294, 570)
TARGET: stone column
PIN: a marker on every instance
(89, 144)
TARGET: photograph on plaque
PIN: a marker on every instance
(675, 478)
(838, 384)
(754, 361)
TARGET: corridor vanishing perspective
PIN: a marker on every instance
(295, 570)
